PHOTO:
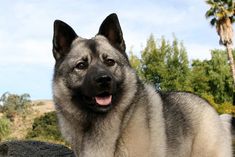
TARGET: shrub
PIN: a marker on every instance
(4, 127)
(13, 104)
(227, 108)
(224, 108)
(211, 100)
(45, 128)
(40, 103)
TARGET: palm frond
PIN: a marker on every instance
(210, 13)
(229, 13)
(225, 1)
(213, 21)
(230, 3)
(220, 15)
(219, 10)
(217, 1)
(232, 19)
(210, 2)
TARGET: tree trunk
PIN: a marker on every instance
(229, 48)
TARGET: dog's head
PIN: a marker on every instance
(90, 71)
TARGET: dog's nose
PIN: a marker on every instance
(103, 79)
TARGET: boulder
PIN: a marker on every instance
(33, 149)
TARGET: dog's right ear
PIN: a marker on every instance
(62, 39)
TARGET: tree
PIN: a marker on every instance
(165, 65)
(213, 77)
(220, 78)
(135, 62)
(178, 68)
(153, 66)
(199, 77)
(221, 14)
(11, 104)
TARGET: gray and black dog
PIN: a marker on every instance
(105, 110)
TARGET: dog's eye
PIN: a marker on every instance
(109, 62)
(81, 65)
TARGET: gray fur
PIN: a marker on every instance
(139, 121)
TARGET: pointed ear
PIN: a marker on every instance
(62, 39)
(111, 29)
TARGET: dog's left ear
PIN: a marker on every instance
(111, 29)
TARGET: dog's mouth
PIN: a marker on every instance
(101, 102)
(103, 99)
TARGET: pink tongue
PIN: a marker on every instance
(103, 101)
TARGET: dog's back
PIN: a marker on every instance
(175, 124)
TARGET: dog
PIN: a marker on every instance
(105, 110)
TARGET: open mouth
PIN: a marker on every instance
(103, 99)
(101, 102)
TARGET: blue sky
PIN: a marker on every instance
(26, 62)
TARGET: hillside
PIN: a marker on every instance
(21, 125)
(46, 106)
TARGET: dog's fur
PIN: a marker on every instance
(104, 110)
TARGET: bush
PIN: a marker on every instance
(40, 103)
(4, 127)
(45, 128)
(13, 104)
(227, 108)
(224, 108)
(211, 100)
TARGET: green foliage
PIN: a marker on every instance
(12, 104)
(199, 77)
(221, 83)
(165, 64)
(213, 77)
(223, 108)
(135, 62)
(46, 128)
(210, 99)
(227, 107)
(4, 127)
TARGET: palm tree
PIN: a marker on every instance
(221, 14)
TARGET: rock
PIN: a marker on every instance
(33, 149)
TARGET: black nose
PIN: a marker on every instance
(103, 80)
